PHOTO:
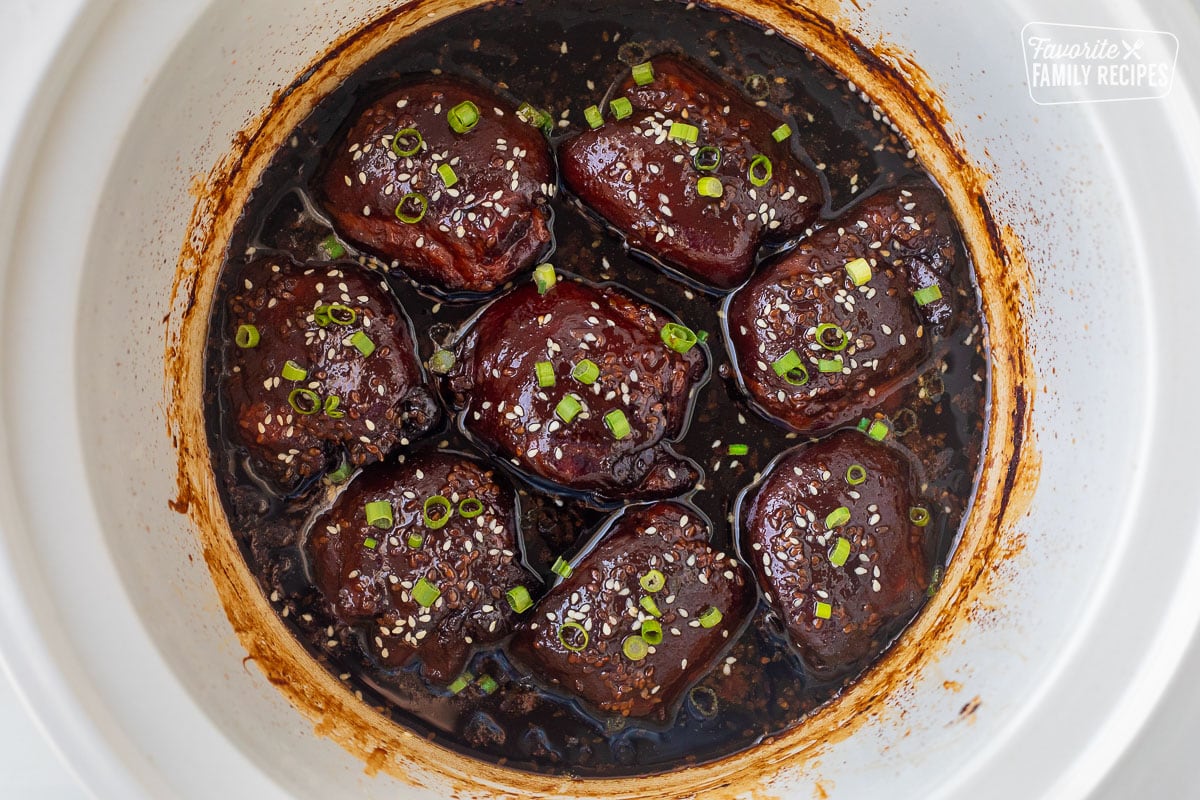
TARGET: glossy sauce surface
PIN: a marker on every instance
(563, 57)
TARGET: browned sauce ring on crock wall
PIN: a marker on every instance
(290, 665)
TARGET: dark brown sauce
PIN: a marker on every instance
(939, 418)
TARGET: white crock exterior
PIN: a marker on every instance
(108, 619)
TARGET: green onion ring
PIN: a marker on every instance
(311, 404)
(470, 507)
(407, 133)
(463, 117)
(841, 338)
(760, 170)
(431, 505)
(426, 593)
(572, 625)
(519, 598)
(652, 631)
(707, 158)
(412, 219)
(635, 648)
(838, 517)
(246, 337)
(653, 581)
(379, 514)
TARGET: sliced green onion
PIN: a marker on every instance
(796, 376)
(643, 73)
(292, 371)
(856, 474)
(370, 543)
(617, 423)
(709, 186)
(544, 277)
(332, 247)
(530, 115)
(561, 568)
(829, 364)
(904, 422)
(426, 593)
(935, 580)
(442, 361)
(684, 132)
(649, 606)
(758, 86)
(878, 430)
(704, 702)
(782, 132)
(652, 631)
(408, 135)
(535, 117)
(362, 343)
(788, 361)
(635, 648)
(463, 117)
(838, 517)
(832, 337)
(341, 473)
(789, 367)
(304, 401)
(621, 107)
(707, 158)
(653, 581)
(415, 540)
(470, 507)
(568, 408)
(447, 174)
(918, 516)
(573, 636)
(379, 514)
(246, 336)
(739, 449)
(334, 313)
(409, 218)
(461, 682)
(862, 424)
(679, 338)
(586, 372)
(927, 294)
(859, 271)
(487, 684)
(759, 171)
(840, 552)
(701, 336)
(711, 617)
(331, 407)
(823, 610)
(593, 116)
(341, 314)
(518, 597)
(545, 373)
(437, 511)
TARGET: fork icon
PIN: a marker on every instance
(1132, 49)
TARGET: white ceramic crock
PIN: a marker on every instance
(111, 625)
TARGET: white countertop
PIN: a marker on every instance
(1158, 765)
(30, 769)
